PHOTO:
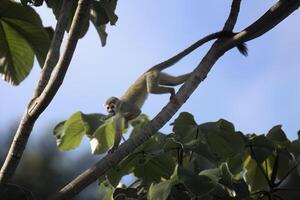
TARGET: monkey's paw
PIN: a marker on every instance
(111, 150)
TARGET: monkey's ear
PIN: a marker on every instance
(104, 105)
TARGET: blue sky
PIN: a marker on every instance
(255, 93)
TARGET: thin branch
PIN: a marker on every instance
(54, 49)
(234, 12)
(30, 116)
(287, 189)
(277, 197)
(276, 14)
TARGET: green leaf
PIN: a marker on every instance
(153, 168)
(109, 194)
(162, 190)
(199, 163)
(185, 128)
(277, 135)
(235, 164)
(154, 144)
(200, 148)
(69, 133)
(222, 138)
(103, 137)
(16, 55)
(98, 14)
(94, 120)
(295, 148)
(21, 36)
(104, 12)
(199, 185)
(114, 176)
(262, 147)
(254, 176)
(283, 165)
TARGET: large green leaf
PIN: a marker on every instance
(222, 138)
(161, 191)
(277, 135)
(101, 13)
(199, 185)
(261, 148)
(103, 137)
(16, 55)
(254, 176)
(185, 128)
(69, 133)
(21, 36)
(153, 168)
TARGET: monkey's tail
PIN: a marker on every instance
(242, 47)
(171, 61)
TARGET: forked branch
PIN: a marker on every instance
(47, 85)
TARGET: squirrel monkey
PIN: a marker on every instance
(154, 81)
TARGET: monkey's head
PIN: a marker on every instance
(111, 104)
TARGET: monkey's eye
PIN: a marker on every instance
(112, 106)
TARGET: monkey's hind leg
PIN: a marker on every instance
(152, 81)
(166, 79)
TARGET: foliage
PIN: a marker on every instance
(102, 12)
(207, 161)
(22, 36)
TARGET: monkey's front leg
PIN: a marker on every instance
(118, 123)
(117, 141)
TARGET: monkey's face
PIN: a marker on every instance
(111, 104)
(111, 108)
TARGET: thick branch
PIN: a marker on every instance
(276, 14)
(40, 103)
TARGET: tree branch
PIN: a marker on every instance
(43, 100)
(233, 15)
(277, 13)
(271, 18)
(54, 49)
